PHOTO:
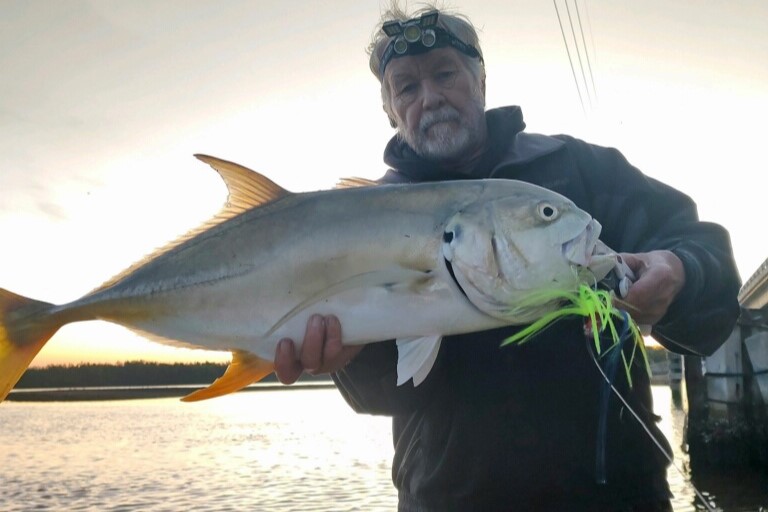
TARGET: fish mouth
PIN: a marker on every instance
(579, 250)
(587, 251)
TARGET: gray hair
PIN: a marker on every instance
(456, 23)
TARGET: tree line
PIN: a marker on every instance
(131, 373)
(146, 373)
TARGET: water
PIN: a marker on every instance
(267, 451)
(261, 451)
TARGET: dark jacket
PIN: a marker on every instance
(515, 428)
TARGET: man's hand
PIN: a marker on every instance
(321, 351)
(659, 277)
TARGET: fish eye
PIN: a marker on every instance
(547, 211)
(451, 233)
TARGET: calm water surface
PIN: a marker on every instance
(262, 451)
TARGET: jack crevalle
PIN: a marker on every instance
(411, 262)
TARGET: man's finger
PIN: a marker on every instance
(333, 346)
(635, 264)
(314, 340)
(287, 367)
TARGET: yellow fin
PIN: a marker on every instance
(245, 368)
(355, 182)
(247, 189)
(25, 327)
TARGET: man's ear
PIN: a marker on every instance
(392, 121)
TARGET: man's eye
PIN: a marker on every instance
(444, 77)
(406, 89)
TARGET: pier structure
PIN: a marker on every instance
(726, 394)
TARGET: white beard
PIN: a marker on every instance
(445, 135)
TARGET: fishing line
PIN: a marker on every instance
(666, 454)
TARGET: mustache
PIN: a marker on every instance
(429, 119)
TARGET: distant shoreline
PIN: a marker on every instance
(141, 380)
(88, 394)
(85, 394)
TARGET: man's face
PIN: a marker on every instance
(438, 105)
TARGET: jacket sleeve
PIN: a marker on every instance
(640, 214)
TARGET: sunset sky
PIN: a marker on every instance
(103, 103)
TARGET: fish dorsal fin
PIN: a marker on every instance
(247, 189)
(245, 368)
(416, 357)
(355, 182)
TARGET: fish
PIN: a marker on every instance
(410, 262)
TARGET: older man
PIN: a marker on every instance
(517, 428)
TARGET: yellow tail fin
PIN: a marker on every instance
(244, 369)
(25, 327)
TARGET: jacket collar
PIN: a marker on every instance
(507, 145)
(503, 124)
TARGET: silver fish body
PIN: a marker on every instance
(410, 262)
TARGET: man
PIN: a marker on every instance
(517, 428)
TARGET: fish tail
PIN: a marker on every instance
(25, 326)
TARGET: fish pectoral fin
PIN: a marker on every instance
(245, 368)
(416, 357)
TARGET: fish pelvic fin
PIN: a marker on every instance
(245, 368)
(416, 357)
(25, 327)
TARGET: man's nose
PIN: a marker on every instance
(431, 95)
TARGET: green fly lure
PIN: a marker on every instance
(600, 319)
(600, 315)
